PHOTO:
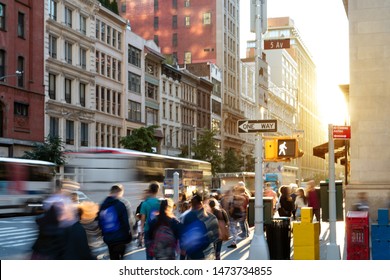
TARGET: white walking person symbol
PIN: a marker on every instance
(282, 148)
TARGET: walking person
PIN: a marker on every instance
(286, 205)
(114, 223)
(244, 193)
(300, 201)
(164, 233)
(313, 201)
(199, 232)
(149, 209)
(223, 223)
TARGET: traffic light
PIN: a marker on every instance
(281, 149)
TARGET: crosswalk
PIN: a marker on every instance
(17, 237)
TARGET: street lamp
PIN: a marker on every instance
(17, 74)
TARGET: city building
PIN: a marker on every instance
(22, 91)
(110, 79)
(197, 32)
(367, 96)
(299, 86)
(69, 77)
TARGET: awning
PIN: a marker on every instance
(321, 150)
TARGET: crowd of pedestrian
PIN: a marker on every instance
(193, 228)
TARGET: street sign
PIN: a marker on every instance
(252, 126)
(341, 132)
(276, 44)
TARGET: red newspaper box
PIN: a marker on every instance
(357, 225)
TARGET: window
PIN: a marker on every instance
(20, 25)
(68, 17)
(134, 113)
(109, 35)
(134, 56)
(54, 127)
(187, 3)
(155, 5)
(68, 91)
(155, 39)
(83, 58)
(53, 9)
(20, 71)
(174, 39)
(83, 25)
(119, 41)
(20, 109)
(108, 66)
(2, 16)
(207, 18)
(187, 21)
(174, 22)
(155, 23)
(52, 86)
(2, 64)
(97, 62)
(82, 88)
(119, 71)
(114, 65)
(187, 57)
(69, 132)
(151, 116)
(134, 83)
(97, 32)
(151, 91)
(114, 34)
(52, 46)
(103, 64)
(84, 134)
(151, 68)
(68, 52)
(103, 32)
(174, 4)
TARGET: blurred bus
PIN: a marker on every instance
(24, 184)
(97, 169)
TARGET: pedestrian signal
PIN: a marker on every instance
(287, 148)
(281, 149)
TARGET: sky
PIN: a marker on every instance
(323, 26)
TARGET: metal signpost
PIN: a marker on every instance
(334, 132)
(259, 248)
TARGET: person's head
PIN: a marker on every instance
(310, 185)
(196, 200)
(154, 187)
(117, 190)
(213, 203)
(166, 207)
(74, 196)
(300, 192)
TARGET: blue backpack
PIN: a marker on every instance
(194, 237)
(109, 221)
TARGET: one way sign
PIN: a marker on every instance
(251, 126)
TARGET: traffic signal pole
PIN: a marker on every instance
(259, 248)
(332, 249)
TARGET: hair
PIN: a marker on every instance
(165, 212)
(302, 192)
(117, 188)
(212, 203)
(154, 187)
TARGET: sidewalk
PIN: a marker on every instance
(243, 246)
(242, 250)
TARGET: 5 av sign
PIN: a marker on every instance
(252, 126)
(276, 44)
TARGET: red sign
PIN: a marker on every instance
(276, 44)
(341, 132)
